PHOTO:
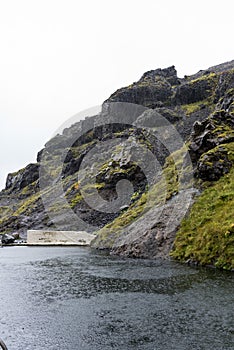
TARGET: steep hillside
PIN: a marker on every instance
(160, 152)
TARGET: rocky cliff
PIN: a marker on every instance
(151, 174)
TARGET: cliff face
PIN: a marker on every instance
(79, 179)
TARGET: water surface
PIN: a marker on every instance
(79, 299)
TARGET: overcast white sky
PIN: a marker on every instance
(59, 57)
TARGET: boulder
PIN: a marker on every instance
(7, 238)
(214, 164)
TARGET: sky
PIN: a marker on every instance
(60, 57)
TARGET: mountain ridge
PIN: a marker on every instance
(200, 109)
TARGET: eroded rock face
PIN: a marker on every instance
(169, 74)
(152, 236)
(206, 149)
(23, 178)
(197, 90)
(212, 165)
(154, 89)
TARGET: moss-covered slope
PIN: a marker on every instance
(206, 235)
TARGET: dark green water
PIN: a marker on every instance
(74, 298)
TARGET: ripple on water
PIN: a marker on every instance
(74, 298)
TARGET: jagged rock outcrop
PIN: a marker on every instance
(218, 129)
(154, 89)
(22, 178)
(212, 165)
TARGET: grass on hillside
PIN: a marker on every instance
(206, 235)
(171, 182)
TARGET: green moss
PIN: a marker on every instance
(209, 77)
(5, 210)
(28, 190)
(207, 234)
(75, 200)
(177, 173)
(52, 165)
(90, 187)
(57, 207)
(195, 107)
(111, 231)
(207, 83)
(113, 167)
(223, 131)
(167, 186)
(73, 188)
(77, 151)
(73, 193)
(18, 172)
(230, 92)
(27, 204)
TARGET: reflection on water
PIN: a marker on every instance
(75, 298)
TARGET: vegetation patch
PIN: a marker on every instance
(195, 107)
(168, 185)
(5, 210)
(206, 236)
(27, 205)
(206, 77)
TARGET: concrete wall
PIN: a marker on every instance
(43, 237)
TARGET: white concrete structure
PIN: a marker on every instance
(43, 237)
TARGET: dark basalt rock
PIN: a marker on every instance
(152, 95)
(153, 239)
(19, 180)
(202, 139)
(72, 164)
(154, 89)
(215, 130)
(194, 91)
(7, 239)
(213, 165)
(169, 74)
(225, 83)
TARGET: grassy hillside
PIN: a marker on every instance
(206, 235)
